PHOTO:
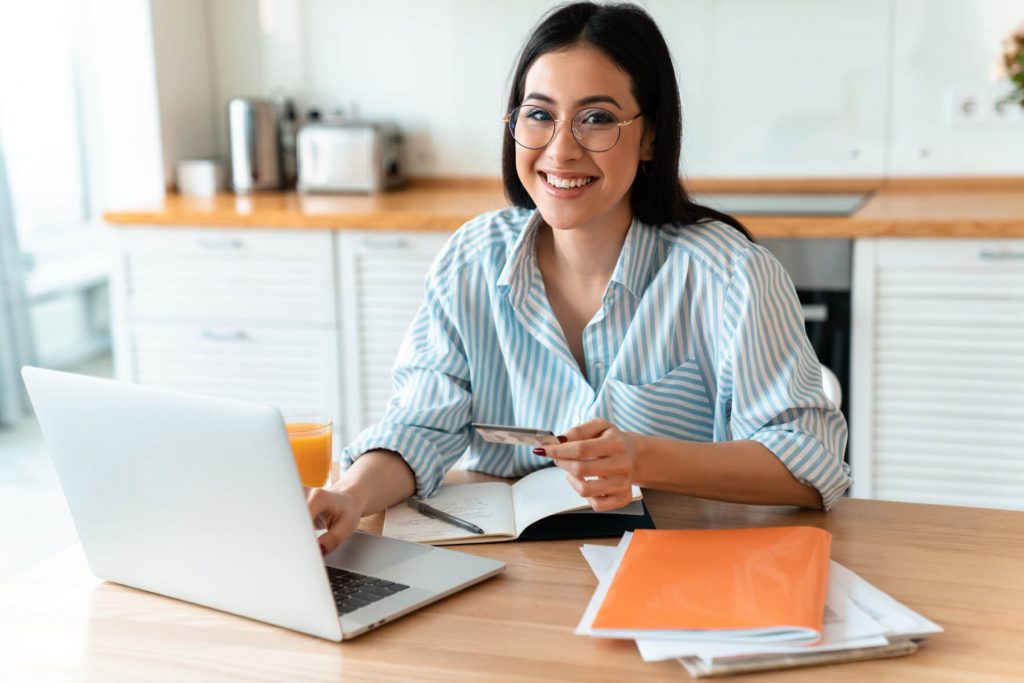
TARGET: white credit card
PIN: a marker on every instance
(515, 436)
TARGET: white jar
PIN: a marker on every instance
(200, 177)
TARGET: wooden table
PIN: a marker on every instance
(961, 567)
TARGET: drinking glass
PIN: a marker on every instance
(310, 438)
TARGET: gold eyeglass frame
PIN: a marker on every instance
(507, 118)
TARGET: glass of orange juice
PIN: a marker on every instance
(310, 438)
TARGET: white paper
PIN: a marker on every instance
(603, 582)
(898, 619)
(487, 504)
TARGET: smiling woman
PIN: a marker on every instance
(664, 347)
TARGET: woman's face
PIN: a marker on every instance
(563, 82)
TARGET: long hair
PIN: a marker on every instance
(631, 39)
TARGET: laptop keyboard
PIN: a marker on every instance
(352, 590)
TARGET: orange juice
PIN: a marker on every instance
(311, 445)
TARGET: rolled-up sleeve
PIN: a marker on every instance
(769, 378)
(427, 418)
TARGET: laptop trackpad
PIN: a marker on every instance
(369, 553)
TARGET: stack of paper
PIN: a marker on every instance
(860, 622)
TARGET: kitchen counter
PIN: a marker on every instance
(913, 207)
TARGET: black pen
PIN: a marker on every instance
(424, 509)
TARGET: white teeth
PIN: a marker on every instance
(567, 183)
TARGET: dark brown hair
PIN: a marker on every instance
(631, 39)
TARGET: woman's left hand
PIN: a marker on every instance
(600, 462)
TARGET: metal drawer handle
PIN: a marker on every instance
(384, 242)
(1000, 255)
(815, 313)
(226, 335)
(220, 242)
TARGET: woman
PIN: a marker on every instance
(664, 346)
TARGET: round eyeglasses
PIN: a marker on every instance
(595, 129)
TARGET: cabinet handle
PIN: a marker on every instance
(225, 335)
(1000, 255)
(220, 243)
(815, 313)
(384, 242)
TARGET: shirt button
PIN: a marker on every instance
(576, 419)
(599, 365)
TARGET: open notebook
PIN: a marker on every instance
(510, 511)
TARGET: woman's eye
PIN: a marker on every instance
(597, 117)
(538, 115)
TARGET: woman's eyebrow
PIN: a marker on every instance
(592, 99)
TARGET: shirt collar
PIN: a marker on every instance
(632, 270)
(516, 272)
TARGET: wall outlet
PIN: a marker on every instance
(982, 108)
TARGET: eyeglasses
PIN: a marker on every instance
(597, 130)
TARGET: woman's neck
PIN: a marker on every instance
(586, 256)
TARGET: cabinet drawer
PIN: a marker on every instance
(293, 370)
(229, 275)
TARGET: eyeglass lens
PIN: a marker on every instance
(597, 130)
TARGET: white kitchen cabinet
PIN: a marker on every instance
(236, 313)
(380, 289)
(938, 371)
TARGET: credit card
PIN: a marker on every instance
(515, 436)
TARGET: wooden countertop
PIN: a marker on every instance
(912, 207)
(960, 567)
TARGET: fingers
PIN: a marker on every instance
(338, 531)
(613, 502)
(334, 512)
(598, 467)
(318, 502)
(588, 430)
(602, 486)
(608, 442)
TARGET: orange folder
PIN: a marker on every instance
(730, 579)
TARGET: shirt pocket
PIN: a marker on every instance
(675, 405)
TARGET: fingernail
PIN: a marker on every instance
(539, 451)
(323, 550)
(562, 439)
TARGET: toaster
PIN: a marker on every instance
(349, 157)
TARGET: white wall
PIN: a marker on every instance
(770, 87)
(184, 73)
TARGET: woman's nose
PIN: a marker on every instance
(563, 145)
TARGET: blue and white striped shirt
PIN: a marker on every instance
(699, 337)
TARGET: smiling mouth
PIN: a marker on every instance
(567, 183)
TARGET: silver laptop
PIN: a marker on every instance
(199, 499)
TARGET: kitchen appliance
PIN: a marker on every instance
(255, 145)
(349, 157)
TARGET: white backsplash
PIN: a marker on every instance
(769, 87)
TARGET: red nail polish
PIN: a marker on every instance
(562, 439)
(539, 451)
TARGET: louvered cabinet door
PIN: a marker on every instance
(381, 288)
(938, 371)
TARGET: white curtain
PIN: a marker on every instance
(16, 347)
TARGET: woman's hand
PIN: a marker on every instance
(600, 462)
(338, 511)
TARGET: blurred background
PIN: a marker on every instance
(102, 101)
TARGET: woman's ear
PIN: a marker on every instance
(647, 144)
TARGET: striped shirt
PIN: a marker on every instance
(699, 337)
